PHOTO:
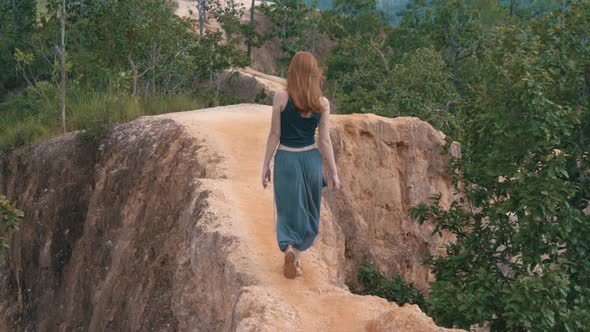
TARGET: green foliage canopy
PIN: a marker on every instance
(520, 260)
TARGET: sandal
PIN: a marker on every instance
(289, 268)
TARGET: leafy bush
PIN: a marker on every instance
(260, 96)
(372, 282)
(10, 216)
(520, 260)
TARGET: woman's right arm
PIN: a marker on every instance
(325, 143)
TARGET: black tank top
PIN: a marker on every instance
(296, 130)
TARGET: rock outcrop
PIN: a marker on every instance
(163, 225)
(246, 83)
(389, 165)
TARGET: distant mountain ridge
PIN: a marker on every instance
(392, 7)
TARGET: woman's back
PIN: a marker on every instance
(298, 162)
(296, 130)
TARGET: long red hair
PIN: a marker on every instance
(304, 80)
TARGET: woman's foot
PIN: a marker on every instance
(298, 268)
(289, 268)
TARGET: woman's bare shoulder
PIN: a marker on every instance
(281, 94)
(280, 99)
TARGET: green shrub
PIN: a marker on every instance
(227, 99)
(520, 253)
(10, 216)
(34, 115)
(260, 96)
(395, 289)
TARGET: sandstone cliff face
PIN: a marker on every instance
(164, 226)
(389, 165)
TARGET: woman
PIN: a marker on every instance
(298, 163)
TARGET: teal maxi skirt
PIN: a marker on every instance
(298, 183)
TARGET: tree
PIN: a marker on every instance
(423, 88)
(369, 72)
(520, 259)
(212, 56)
(17, 16)
(353, 18)
(225, 54)
(25, 59)
(202, 8)
(142, 37)
(62, 61)
(290, 24)
(456, 32)
(455, 28)
(252, 25)
(10, 216)
(253, 37)
(17, 23)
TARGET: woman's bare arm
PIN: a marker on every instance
(325, 142)
(273, 136)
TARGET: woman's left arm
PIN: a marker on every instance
(273, 138)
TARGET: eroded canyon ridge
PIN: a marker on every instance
(163, 225)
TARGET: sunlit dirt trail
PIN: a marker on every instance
(240, 133)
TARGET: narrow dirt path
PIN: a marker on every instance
(273, 83)
(240, 132)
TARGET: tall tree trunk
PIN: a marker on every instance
(14, 14)
(63, 66)
(456, 50)
(4, 9)
(512, 7)
(201, 8)
(456, 66)
(135, 75)
(284, 37)
(586, 89)
(218, 84)
(152, 81)
(252, 25)
(314, 32)
(153, 84)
